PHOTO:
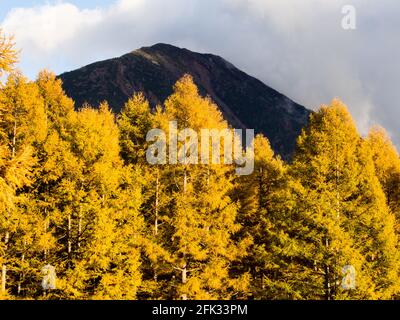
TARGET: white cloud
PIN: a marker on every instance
(45, 28)
(297, 47)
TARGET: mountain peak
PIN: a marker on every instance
(163, 46)
(244, 101)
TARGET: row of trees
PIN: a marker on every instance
(77, 193)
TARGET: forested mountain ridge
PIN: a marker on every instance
(244, 101)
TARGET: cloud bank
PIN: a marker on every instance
(296, 47)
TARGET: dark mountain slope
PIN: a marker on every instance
(245, 101)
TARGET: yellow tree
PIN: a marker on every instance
(105, 227)
(135, 121)
(342, 211)
(88, 199)
(261, 196)
(202, 219)
(387, 168)
(58, 175)
(8, 53)
(8, 58)
(23, 126)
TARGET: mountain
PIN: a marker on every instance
(244, 101)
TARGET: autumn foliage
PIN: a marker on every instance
(77, 193)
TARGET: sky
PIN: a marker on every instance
(7, 5)
(298, 47)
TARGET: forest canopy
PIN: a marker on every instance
(77, 194)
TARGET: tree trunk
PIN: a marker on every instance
(7, 237)
(184, 279)
(3, 278)
(79, 227)
(184, 268)
(46, 227)
(184, 181)
(4, 266)
(337, 183)
(69, 241)
(184, 274)
(21, 276)
(156, 205)
(14, 139)
(327, 276)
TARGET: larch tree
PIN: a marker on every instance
(262, 195)
(387, 168)
(345, 223)
(23, 126)
(57, 187)
(202, 219)
(106, 228)
(89, 201)
(77, 193)
(8, 53)
(135, 121)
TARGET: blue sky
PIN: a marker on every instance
(7, 5)
(298, 47)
